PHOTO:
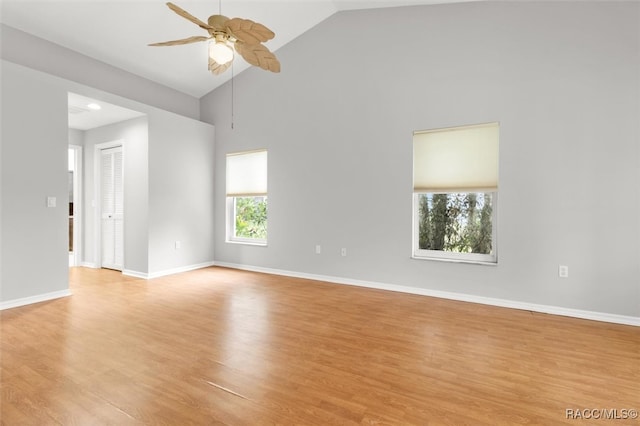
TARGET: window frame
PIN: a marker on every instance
(243, 182)
(231, 224)
(455, 148)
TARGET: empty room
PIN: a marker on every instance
(319, 212)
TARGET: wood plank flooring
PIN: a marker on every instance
(225, 347)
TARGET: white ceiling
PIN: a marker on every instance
(82, 117)
(118, 31)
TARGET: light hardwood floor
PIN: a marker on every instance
(219, 346)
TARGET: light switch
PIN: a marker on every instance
(563, 271)
(51, 201)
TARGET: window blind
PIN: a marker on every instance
(247, 174)
(459, 159)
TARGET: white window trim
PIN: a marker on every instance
(447, 256)
(231, 223)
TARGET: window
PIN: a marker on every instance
(247, 197)
(455, 185)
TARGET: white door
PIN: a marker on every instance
(111, 208)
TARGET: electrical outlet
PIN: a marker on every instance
(178, 245)
(51, 201)
(318, 249)
(563, 271)
(343, 252)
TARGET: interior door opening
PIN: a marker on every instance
(96, 125)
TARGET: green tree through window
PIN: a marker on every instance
(251, 217)
(455, 222)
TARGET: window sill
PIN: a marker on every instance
(443, 259)
(247, 243)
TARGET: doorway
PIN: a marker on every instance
(96, 125)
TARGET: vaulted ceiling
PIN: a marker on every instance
(118, 32)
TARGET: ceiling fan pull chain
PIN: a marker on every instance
(232, 96)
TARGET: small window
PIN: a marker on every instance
(455, 185)
(247, 197)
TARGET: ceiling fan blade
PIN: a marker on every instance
(188, 16)
(188, 40)
(258, 55)
(216, 68)
(248, 31)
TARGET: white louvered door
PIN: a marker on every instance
(111, 204)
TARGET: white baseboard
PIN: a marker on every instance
(504, 303)
(135, 274)
(34, 299)
(166, 272)
(89, 265)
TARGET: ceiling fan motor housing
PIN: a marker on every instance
(217, 22)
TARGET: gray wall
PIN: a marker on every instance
(34, 166)
(181, 197)
(563, 80)
(76, 137)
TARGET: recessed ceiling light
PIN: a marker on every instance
(94, 107)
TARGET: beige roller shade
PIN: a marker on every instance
(247, 174)
(458, 159)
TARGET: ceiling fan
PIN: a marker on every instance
(225, 35)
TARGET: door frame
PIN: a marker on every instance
(97, 203)
(78, 205)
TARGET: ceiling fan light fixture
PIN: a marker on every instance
(220, 51)
(228, 36)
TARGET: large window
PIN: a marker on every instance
(247, 197)
(455, 185)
